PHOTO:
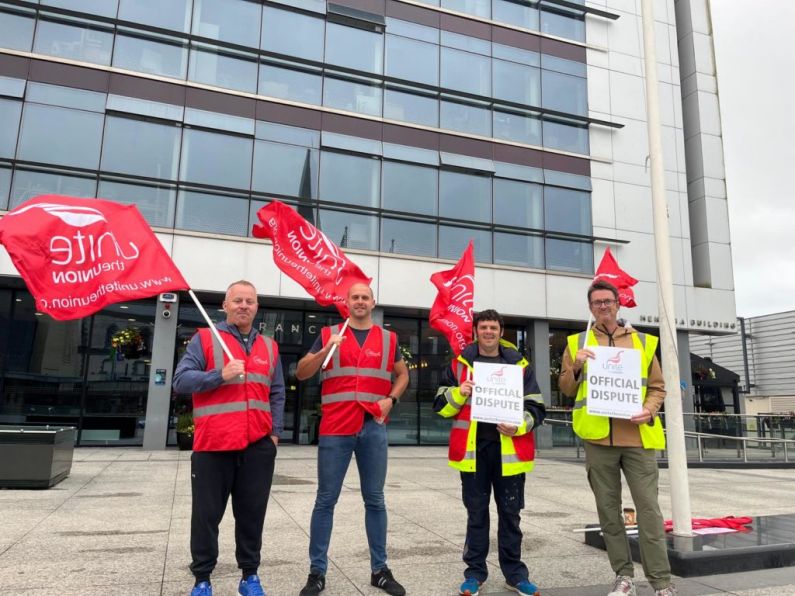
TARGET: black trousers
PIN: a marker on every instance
(509, 496)
(247, 476)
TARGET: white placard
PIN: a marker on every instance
(614, 385)
(498, 394)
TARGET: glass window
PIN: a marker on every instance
(228, 20)
(66, 97)
(304, 208)
(517, 83)
(572, 67)
(355, 48)
(12, 87)
(32, 184)
(515, 13)
(156, 203)
(512, 54)
(292, 33)
(519, 250)
(410, 107)
(60, 136)
(168, 58)
(220, 121)
(517, 127)
(408, 237)
(145, 107)
(289, 83)
(564, 93)
(9, 126)
(105, 8)
(467, 43)
(464, 196)
(75, 41)
(350, 230)
(466, 72)
(205, 212)
(412, 30)
(567, 210)
(479, 8)
(518, 204)
(350, 179)
(293, 135)
(360, 97)
(453, 241)
(465, 118)
(217, 159)
(141, 148)
(567, 137)
(412, 60)
(5, 185)
(563, 25)
(410, 188)
(174, 14)
(285, 170)
(568, 255)
(223, 69)
(16, 30)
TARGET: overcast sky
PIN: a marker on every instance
(756, 82)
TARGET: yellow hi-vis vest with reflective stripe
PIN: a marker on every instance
(590, 427)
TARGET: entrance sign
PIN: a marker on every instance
(614, 384)
(498, 394)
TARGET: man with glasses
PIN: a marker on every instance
(613, 445)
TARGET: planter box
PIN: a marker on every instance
(35, 456)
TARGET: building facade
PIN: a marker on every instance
(401, 128)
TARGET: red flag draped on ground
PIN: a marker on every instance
(306, 255)
(452, 310)
(610, 272)
(79, 255)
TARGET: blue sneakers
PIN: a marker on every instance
(202, 589)
(525, 587)
(470, 587)
(250, 586)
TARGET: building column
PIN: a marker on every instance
(378, 316)
(161, 374)
(538, 341)
(686, 378)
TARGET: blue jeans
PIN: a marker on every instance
(333, 459)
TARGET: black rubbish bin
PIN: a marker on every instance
(35, 456)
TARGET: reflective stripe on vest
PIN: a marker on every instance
(349, 396)
(462, 424)
(218, 362)
(341, 371)
(233, 406)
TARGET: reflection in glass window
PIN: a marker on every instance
(105, 8)
(408, 237)
(464, 196)
(60, 136)
(466, 72)
(350, 230)
(518, 204)
(174, 14)
(410, 188)
(235, 21)
(410, 107)
(512, 54)
(518, 250)
(353, 96)
(156, 203)
(479, 8)
(141, 148)
(168, 58)
(521, 128)
(567, 137)
(31, 184)
(67, 97)
(516, 83)
(9, 126)
(564, 93)
(217, 159)
(290, 83)
(350, 179)
(412, 60)
(465, 118)
(355, 48)
(5, 185)
(74, 41)
(561, 24)
(145, 107)
(304, 208)
(515, 13)
(567, 210)
(292, 33)
(16, 30)
(467, 43)
(568, 255)
(204, 212)
(453, 241)
(285, 170)
(412, 30)
(223, 69)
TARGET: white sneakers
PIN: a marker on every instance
(623, 586)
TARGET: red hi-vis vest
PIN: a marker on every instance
(238, 412)
(355, 379)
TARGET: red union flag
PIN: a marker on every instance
(610, 272)
(307, 256)
(79, 255)
(451, 312)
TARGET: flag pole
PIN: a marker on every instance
(211, 325)
(334, 347)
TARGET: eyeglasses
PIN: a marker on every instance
(600, 303)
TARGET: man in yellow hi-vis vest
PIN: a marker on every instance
(613, 445)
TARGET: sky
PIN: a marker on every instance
(755, 60)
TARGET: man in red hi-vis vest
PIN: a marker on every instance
(238, 406)
(360, 385)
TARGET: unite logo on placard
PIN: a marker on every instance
(498, 377)
(614, 364)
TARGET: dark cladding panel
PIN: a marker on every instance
(290, 115)
(561, 49)
(355, 127)
(413, 14)
(147, 89)
(566, 163)
(69, 76)
(223, 103)
(464, 146)
(516, 39)
(14, 66)
(413, 137)
(519, 155)
(466, 26)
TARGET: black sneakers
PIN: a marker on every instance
(383, 579)
(315, 584)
